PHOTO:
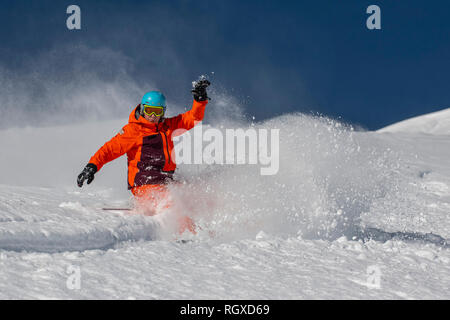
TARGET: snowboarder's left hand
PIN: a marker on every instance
(199, 90)
(87, 174)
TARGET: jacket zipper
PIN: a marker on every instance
(167, 147)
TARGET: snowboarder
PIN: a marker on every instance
(147, 141)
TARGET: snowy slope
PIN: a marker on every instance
(437, 123)
(343, 204)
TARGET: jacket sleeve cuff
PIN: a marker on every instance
(93, 164)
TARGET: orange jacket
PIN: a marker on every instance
(148, 146)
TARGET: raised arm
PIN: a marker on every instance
(190, 118)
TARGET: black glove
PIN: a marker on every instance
(87, 174)
(199, 90)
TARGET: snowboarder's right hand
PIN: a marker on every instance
(87, 174)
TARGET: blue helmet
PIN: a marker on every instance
(154, 98)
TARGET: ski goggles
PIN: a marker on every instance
(149, 110)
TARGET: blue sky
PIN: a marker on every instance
(273, 56)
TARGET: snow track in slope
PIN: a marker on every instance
(52, 220)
